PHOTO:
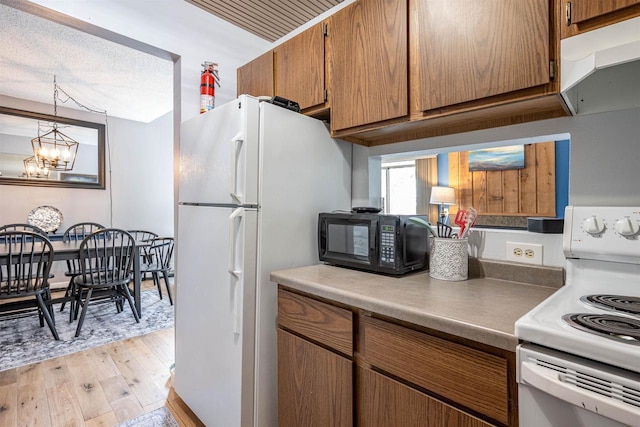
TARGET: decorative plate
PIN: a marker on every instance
(47, 218)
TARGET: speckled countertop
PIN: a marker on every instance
(480, 309)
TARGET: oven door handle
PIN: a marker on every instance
(551, 382)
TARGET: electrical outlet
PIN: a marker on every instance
(529, 253)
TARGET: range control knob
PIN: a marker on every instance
(627, 227)
(593, 225)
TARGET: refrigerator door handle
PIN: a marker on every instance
(235, 157)
(236, 214)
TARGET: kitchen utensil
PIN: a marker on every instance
(444, 230)
(470, 221)
(460, 220)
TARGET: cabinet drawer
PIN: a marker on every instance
(318, 321)
(470, 377)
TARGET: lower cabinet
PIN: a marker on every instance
(314, 385)
(383, 402)
(339, 366)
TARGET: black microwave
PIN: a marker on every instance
(388, 244)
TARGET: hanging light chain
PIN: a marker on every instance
(69, 97)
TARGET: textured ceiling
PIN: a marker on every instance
(97, 73)
(271, 19)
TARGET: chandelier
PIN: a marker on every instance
(54, 150)
(33, 169)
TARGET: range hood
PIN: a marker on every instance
(600, 69)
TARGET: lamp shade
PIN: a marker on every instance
(443, 196)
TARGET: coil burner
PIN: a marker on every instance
(619, 328)
(622, 303)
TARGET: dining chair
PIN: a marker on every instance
(143, 236)
(106, 262)
(161, 253)
(22, 227)
(77, 231)
(24, 272)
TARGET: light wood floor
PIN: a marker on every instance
(102, 386)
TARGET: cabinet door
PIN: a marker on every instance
(464, 50)
(256, 77)
(384, 402)
(582, 10)
(299, 68)
(368, 63)
(315, 386)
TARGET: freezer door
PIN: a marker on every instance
(219, 155)
(215, 313)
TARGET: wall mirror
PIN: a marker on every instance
(18, 128)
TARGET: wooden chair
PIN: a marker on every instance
(24, 272)
(143, 236)
(22, 227)
(76, 232)
(160, 254)
(106, 261)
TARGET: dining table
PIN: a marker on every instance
(69, 250)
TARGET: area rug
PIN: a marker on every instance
(161, 417)
(23, 341)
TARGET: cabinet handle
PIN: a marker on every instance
(567, 13)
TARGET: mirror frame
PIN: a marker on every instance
(100, 185)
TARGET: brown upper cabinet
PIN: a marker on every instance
(368, 63)
(256, 77)
(585, 15)
(397, 70)
(467, 50)
(475, 65)
(299, 69)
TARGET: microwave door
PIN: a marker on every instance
(350, 241)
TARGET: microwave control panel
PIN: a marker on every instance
(387, 244)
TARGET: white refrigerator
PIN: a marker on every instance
(253, 178)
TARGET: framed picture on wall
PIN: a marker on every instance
(495, 159)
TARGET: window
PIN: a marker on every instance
(399, 187)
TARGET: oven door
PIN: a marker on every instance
(348, 240)
(558, 390)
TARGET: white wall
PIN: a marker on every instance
(142, 154)
(141, 178)
(177, 27)
(604, 167)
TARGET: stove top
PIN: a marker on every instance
(596, 314)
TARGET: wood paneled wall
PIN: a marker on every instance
(426, 177)
(519, 192)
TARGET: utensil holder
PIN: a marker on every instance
(449, 259)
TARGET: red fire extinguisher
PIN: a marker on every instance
(208, 80)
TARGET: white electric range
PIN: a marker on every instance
(579, 364)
